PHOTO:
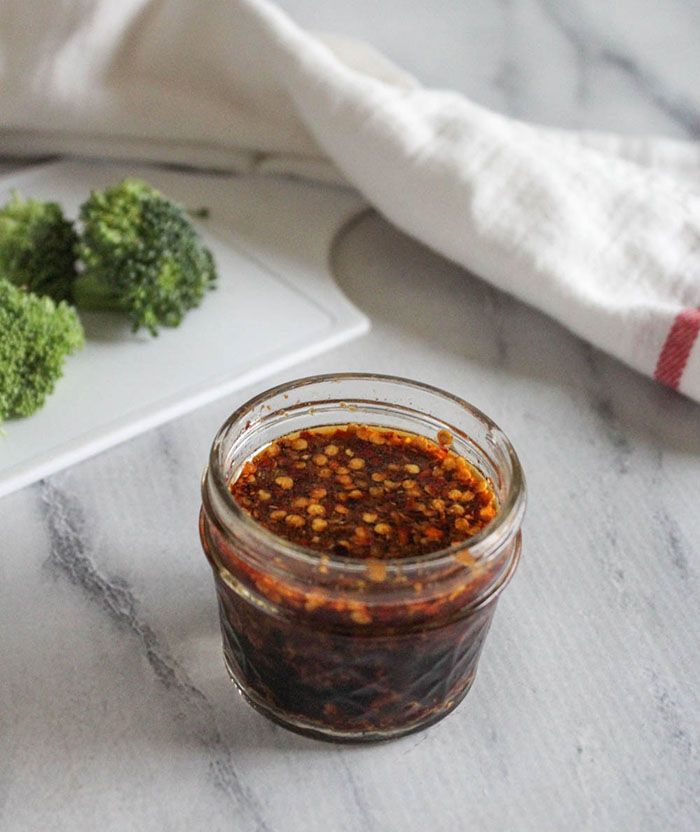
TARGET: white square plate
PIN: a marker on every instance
(276, 303)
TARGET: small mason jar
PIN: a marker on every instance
(314, 643)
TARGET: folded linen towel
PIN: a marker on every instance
(601, 232)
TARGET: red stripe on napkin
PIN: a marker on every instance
(677, 346)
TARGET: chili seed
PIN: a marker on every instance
(444, 437)
(376, 570)
(294, 520)
(361, 616)
(314, 599)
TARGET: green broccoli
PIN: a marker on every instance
(36, 335)
(141, 256)
(37, 247)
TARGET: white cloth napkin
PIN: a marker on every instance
(601, 232)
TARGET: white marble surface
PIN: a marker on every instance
(115, 711)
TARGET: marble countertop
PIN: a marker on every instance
(115, 710)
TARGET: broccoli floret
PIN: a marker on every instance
(36, 335)
(141, 256)
(37, 247)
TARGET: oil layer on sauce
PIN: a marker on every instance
(365, 491)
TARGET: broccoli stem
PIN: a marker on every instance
(92, 295)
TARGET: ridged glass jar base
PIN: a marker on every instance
(307, 728)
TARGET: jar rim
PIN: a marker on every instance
(481, 546)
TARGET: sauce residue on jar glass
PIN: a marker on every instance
(365, 491)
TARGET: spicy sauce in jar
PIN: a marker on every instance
(363, 491)
(369, 637)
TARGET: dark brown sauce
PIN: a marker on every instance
(365, 492)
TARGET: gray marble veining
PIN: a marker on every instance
(115, 710)
(628, 66)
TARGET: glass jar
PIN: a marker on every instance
(312, 642)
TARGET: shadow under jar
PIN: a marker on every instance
(322, 643)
